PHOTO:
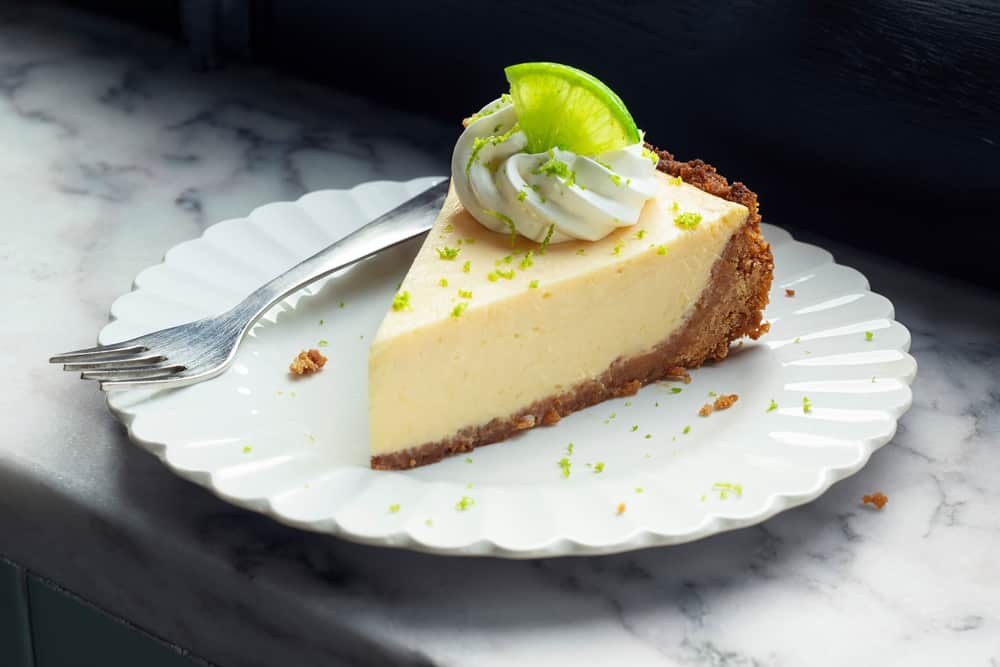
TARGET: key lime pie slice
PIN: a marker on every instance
(571, 263)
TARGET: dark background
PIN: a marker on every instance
(873, 122)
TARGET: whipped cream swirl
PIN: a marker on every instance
(557, 194)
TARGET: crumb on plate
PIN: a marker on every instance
(307, 362)
(725, 401)
(621, 509)
(789, 292)
(705, 411)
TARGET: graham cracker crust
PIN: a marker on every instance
(730, 308)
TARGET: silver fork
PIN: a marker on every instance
(199, 350)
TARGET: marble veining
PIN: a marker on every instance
(114, 151)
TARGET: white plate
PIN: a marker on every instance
(297, 450)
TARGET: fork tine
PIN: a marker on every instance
(117, 363)
(99, 352)
(143, 373)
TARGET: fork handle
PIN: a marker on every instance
(408, 220)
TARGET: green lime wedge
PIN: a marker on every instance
(563, 107)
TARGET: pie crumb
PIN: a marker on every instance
(621, 509)
(725, 401)
(307, 362)
(525, 422)
(679, 373)
(705, 411)
(878, 499)
(628, 389)
(551, 417)
(789, 292)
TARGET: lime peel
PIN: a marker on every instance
(563, 107)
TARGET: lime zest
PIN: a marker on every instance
(492, 140)
(545, 242)
(687, 220)
(556, 167)
(504, 100)
(401, 301)
(505, 219)
(564, 464)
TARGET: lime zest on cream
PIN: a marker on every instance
(505, 219)
(545, 242)
(492, 140)
(447, 253)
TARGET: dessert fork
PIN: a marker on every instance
(199, 350)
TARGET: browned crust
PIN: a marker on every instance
(729, 309)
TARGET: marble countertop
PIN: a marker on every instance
(113, 151)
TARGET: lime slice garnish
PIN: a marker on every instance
(562, 107)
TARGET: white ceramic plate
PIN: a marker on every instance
(297, 450)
